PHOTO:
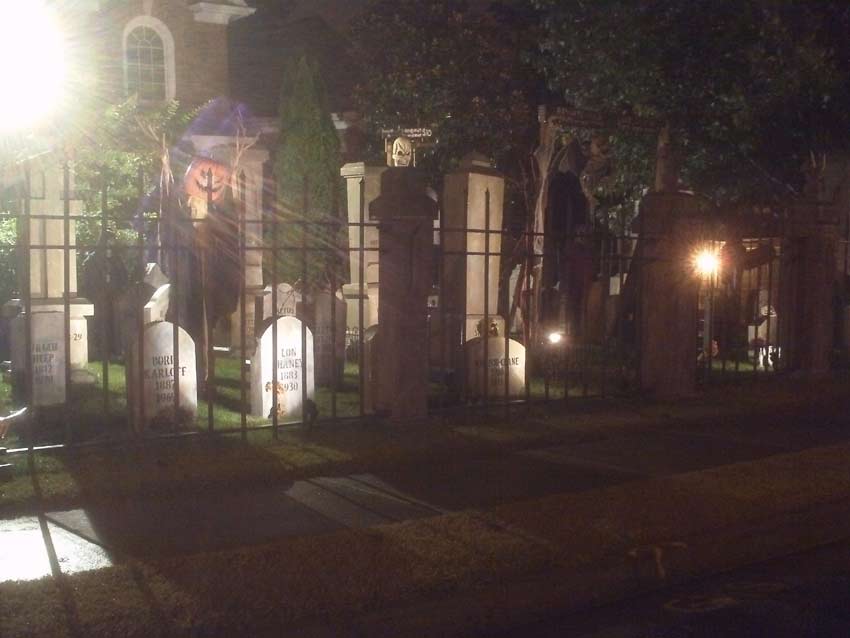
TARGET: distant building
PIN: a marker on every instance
(165, 49)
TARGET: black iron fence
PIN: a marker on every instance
(231, 356)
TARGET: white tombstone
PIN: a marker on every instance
(47, 356)
(154, 277)
(157, 308)
(330, 359)
(160, 372)
(287, 301)
(79, 343)
(498, 363)
(289, 374)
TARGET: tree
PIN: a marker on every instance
(306, 171)
(746, 87)
(460, 70)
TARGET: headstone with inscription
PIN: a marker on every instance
(164, 375)
(485, 371)
(287, 301)
(329, 337)
(283, 374)
(47, 348)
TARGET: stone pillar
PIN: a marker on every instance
(47, 201)
(668, 295)
(406, 216)
(807, 288)
(468, 298)
(363, 184)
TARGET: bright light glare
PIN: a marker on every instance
(555, 338)
(32, 61)
(707, 262)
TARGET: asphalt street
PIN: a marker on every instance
(805, 595)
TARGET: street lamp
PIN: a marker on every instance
(706, 264)
(32, 61)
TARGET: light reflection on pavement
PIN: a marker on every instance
(24, 551)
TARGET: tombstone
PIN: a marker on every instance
(48, 357)
(154, 277)
(473, 199)
(368, 359)
(288, 300)
(330, 359)
(156, 409)
(499, 361)
(291, 364)
(406, 215)
(157, 308)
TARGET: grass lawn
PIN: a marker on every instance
(466, 556)
(96, 413)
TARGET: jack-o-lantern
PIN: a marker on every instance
(202, 173)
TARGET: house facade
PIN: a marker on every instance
(164, 50)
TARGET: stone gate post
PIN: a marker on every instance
(406, 215)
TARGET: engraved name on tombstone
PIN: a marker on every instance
(498, 363)
(287, 369)
(162, 372)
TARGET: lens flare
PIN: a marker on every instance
(706, 262)
(32, 59)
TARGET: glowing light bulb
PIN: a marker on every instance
(32, 60)
(706, 262)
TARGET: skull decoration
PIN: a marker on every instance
(402, 152)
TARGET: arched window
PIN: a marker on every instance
(149, 60)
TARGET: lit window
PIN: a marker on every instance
(146, 65)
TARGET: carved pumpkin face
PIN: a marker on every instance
(203, 172)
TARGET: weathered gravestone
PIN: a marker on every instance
(163, 375)
(157, 308)
(287, 301)
(485, 372)
(47, 357)
(288, 370)
(329, 338)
